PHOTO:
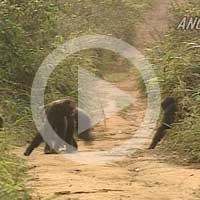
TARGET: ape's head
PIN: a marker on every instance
(168, 101)
(68, 106)
(62, 108)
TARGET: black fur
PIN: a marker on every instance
(57, 113)
(169, 107)
(57, 117)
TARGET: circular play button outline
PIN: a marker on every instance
(135, 58)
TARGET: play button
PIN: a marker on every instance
(95, 94)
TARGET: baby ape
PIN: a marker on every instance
(57, 112)
(169, 107)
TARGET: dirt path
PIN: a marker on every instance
(143, 177)
(156, 23)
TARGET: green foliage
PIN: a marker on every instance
(116, 18)
(12, 172)
(185, 138)
(177, 64)
(26, 34)
(29, 30)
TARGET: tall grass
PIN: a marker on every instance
(12, 174)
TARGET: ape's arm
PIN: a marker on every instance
(69, 136)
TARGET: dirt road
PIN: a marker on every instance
(142, 177)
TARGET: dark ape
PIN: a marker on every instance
(169, 107)
(62, 116)
(57, 112)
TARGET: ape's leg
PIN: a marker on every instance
(49, 150)
(158, 136)
(86, 136)
(59, 128)
(74, 143)
(69, 134)
(34, 144)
